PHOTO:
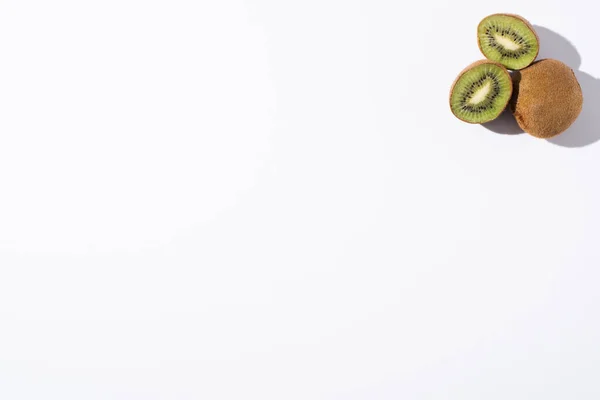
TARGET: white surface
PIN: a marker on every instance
(271, 200)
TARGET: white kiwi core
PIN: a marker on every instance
(481, 93)
(507, 43)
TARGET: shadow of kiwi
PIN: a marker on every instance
(506, 124)
(586, 129)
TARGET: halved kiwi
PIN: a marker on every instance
(508, 39)
(547, 99)
(480, 92)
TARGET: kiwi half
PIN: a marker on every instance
(547, 99)
(480, 92)
(508, 39)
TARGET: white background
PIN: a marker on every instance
(270, 199)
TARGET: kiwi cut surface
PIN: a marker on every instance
(508, 39)
(547, 99)
(480, 92)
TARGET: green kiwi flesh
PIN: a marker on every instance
(509, 40)
(481, 92)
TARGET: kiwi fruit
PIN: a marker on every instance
(480, 92)
(547, 98)
(508, 39)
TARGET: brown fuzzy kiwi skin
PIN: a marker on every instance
(468, 68)
(514, 16)
(547, 98)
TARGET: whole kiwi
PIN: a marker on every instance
(547, 98)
